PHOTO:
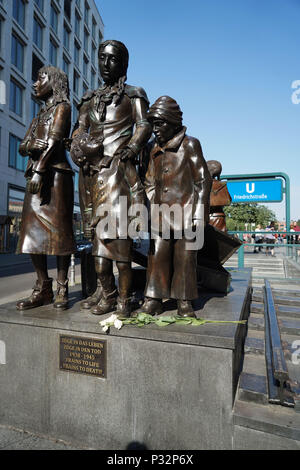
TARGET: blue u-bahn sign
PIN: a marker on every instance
(256, 190)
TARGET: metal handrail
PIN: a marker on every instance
(291, 248)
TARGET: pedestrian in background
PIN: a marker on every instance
(258, 239)
(270, 239)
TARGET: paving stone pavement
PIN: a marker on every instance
(15, 439)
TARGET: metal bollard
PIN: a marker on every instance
(72, 271)
(241, 252)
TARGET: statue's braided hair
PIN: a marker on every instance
(59, 81)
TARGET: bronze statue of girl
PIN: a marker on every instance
(46, 227)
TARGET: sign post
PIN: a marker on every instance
(271, 185)
(260, 187)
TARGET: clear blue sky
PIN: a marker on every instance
(230, 65)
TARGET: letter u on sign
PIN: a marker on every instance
(248, 189)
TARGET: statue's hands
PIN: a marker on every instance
(126, 154)
(89, 228)
(84, 147)
(90, 147)
(37, 145)
(76, 153)
(35, 183)
(23, 150)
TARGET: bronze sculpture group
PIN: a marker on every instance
(113, 127)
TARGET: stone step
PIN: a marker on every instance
(256, 322)
(289, 284)
(283, 311)
(289, 326)
(253, 385)
(288, 299)
(254, 345)
(255, 364)
(253, 388)
(278, 426)
(286, 292)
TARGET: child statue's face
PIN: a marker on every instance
(110, 64)
(163, 130)
(43, 87)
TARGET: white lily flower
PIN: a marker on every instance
(118, 324)
(105, 328)
(112, 318)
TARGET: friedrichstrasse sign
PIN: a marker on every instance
(255, 190)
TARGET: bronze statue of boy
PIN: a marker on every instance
(177, 174)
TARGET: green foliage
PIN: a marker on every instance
(143, 319)
(237, 215)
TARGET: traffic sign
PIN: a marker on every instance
(269, 190)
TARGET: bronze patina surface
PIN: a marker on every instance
(111, 130)
(177, 174)
(47, 218)
(219, 197)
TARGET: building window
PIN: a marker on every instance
(15, 159)
(93, 55)
(40, 4)
(93, 80)
(1, 27)
(15, 200)
(16, 98)
(19, 12)
(74, 111)
(86, 41)
(17, 53)
(94, 26)
(67, 9)
(85, 67)
(65, 65)
(66, 38)
(52, 53)
(76, 83)
(76, 54)
(78, 3)
(54, 19)
(34, 108)
(77, 26)
(37, 34)
(86, 13)
(37, 64)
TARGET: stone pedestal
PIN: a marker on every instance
(167, 387)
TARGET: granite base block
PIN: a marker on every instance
(168, 388)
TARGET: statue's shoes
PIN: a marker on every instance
(150, 306)
(185, 308)
(42, 295)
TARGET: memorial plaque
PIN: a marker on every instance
(83, 355)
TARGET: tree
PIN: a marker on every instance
(237, 215)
